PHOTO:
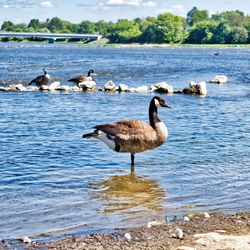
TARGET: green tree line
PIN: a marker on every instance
(229, 27)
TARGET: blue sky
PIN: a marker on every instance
(19, 11)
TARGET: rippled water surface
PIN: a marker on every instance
(54, 181)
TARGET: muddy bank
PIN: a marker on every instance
(219, 231)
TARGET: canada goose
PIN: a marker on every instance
(41, 80)
(80, 79)
(134, 136)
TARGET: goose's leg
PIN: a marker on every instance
(132, 162)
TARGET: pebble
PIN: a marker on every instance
(26, 239)
(127, 236)
(206, 215)
(178, 233)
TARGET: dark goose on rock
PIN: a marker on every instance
(41, 80)
(134, 136)
(80, 79)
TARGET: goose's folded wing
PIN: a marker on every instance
(128, 130)
(40, 79)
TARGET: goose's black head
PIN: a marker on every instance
(44, 70)
(159, 102)
(90, 72)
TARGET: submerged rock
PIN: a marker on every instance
(2, 88)
(74, 88)
(196, 88)
(54, 85)
(62, 88)
(123, 88)
(109, 86)
(44, 87)
(32, 88)
(87, 85)
(219, 79)
(162, 87)
(139, 89)
(20, 87)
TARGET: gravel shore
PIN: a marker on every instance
(217, 231)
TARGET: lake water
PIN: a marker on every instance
(52, 181)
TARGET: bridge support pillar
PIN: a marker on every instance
(51, 40)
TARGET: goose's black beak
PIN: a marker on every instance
(165, 105)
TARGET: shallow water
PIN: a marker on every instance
(52, 181)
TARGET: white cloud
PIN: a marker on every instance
(123, 2)
(17, 4)
(178, 7)
(47, 4)
(149, 4)
(144, 3)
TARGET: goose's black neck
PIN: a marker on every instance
(153, 117)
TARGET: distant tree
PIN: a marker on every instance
(144, 24)
(102, 27)
(234, 18)
(247, 27)
(7, 26)
(125, 31)
(221, 33)
(168, 29)
(43, 30)
(86, 27)
(34, 23)
(194, 16)
(21, 27)
(150, 35)
(30, 30)
(202, 32)
(55, 24)
(217, 17)
(239, 35)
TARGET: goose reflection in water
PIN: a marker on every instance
(131, 194)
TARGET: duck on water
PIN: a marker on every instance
(134, 136)
(42, 79)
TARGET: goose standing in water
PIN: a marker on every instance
(41, 80)
(80, 79)
(134, 136)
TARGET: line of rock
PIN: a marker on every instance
(162, 87)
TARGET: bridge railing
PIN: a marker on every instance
(51, 36)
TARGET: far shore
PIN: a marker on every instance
(105, 43)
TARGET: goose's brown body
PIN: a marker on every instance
(80, 79)
(134, 136)
(41, 80)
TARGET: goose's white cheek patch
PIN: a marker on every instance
(157, 104)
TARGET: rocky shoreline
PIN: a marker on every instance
(205, 231)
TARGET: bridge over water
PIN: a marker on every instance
(51, 37)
